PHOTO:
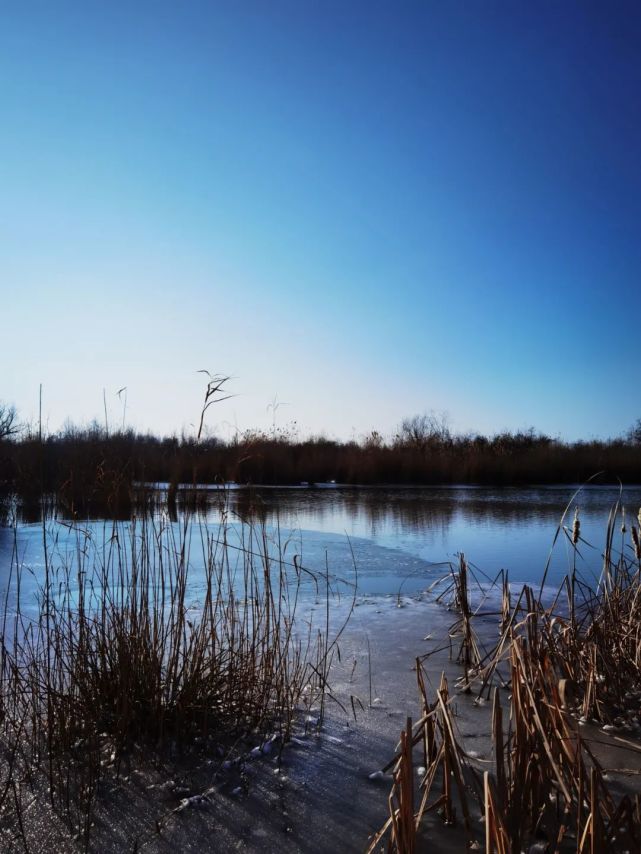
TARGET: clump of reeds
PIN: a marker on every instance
(115, 655)
(575, 659)
(447, 778)
(546, 786)
(469, 654)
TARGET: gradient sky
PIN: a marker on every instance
(367, 209)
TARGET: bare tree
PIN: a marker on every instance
(634, 433)
(8, 421)
(424, 431)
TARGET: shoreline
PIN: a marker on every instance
(328, 792)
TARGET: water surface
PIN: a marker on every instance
(385, 539)
(510, 529)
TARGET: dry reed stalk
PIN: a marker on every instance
(496, 837)
(401, 799)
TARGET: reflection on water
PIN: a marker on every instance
(506, 528)
(393, 538)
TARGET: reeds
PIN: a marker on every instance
(116, 657)
(565, 663)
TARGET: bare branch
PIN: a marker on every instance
(9, 425)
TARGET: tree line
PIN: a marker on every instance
(92, 466)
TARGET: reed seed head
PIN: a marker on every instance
(576, 527)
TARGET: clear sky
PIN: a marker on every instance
(367, 209)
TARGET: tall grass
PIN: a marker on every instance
(129, 649)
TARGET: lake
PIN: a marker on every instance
(389, 540)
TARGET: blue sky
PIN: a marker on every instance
(367, 209)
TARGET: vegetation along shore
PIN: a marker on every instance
(99, 469)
